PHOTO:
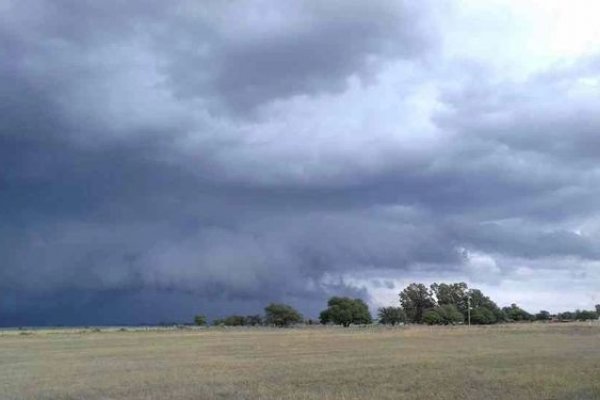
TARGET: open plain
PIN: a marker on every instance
(530, 361)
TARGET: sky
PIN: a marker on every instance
(163, 159)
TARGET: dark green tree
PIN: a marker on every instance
(479, 300)
(453, 293)
(566, 316)
(483, 316)
(234, 320)
(516, 313)
(345, 311)
(449, 314)
(585, 315)
(432, 317)
(391, 315)
(282, 315)
(416, 298)
(254, 320)
(542, 316)
(200, 320)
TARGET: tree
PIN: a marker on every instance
(254, 320)
(345, 311)
(449, 314)
(453, 293)
(584, 315)
(543, 316)
(432, 317)
(234, 320)
(446, 314)
(483, 316)
(415, 300)
(566, 316)
(391, 315)
(479, 300)
(200, 320)
(281, 315)
(598, 309)
(515, 313)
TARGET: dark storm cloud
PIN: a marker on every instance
(293, 48)
(134, 187)
(233, 54)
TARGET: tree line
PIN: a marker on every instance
(437, 304)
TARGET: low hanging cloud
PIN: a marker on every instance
(159, 160)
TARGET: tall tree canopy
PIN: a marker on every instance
(416, 298)
(452, 294)
(483, 309)
(281, 315)
(345, 311)
(516, 313)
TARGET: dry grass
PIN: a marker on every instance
(507, 362)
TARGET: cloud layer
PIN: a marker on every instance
(160, 160)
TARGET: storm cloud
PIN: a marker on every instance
(161, 159)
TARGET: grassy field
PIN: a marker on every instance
(504, 362)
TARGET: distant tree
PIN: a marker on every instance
(566, 316)
(217, 322)
(416, 298)
(345, 311)
(281, 315)
(543, 316)
(254, 320)
(479, 300)
(450, 301)
(515, 313)
(200, 320)
(449, 314)
(446, 314)
(598, 309)
(432, 317)
(391, 315)
(483, 316)
(234, 320)
(584, 315)
(453, 293)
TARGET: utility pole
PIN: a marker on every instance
(469, 309)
